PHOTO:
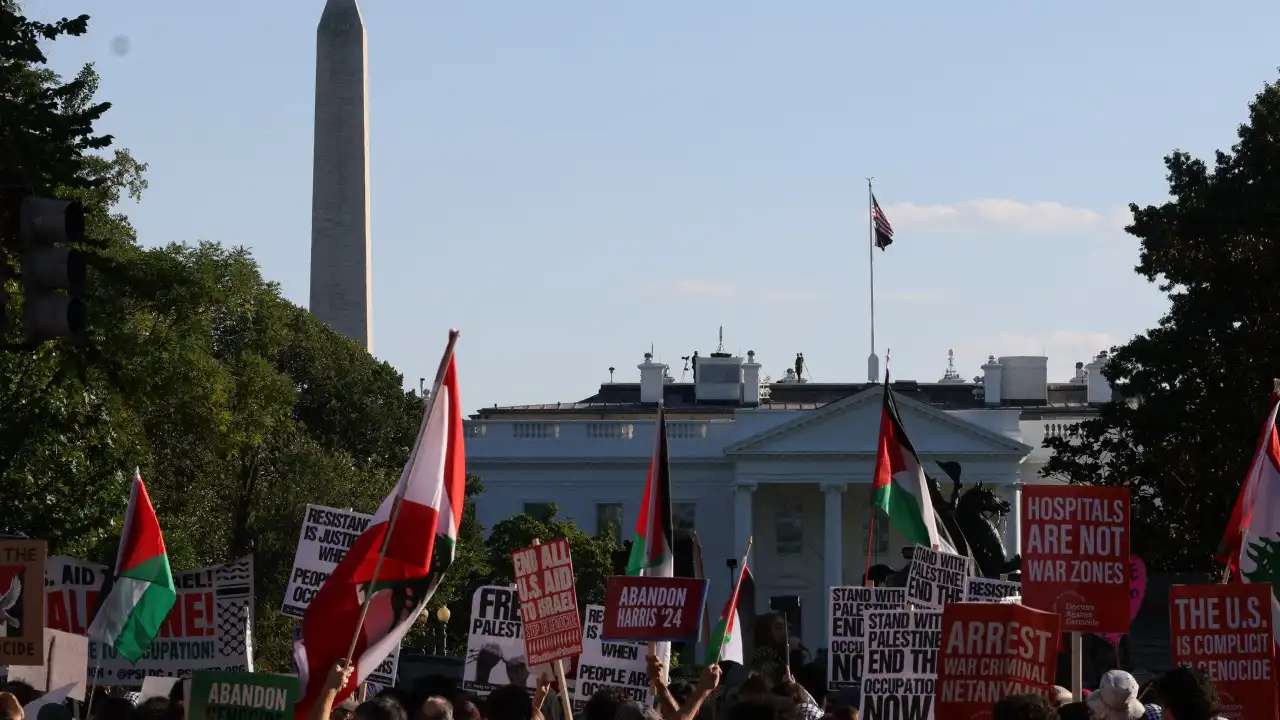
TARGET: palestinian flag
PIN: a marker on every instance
(651, 552)
(723, 637)
(140, 589)
(899, 487)
(421, 517)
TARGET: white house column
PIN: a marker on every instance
(1013, 522)
(743, 511)
(833, 536)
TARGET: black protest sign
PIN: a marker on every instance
(900, 667)
(936, 578)
(847, 608)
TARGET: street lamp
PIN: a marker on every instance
(443, 615)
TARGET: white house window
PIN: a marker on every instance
(880, 537)
(540, 511)
(789, 529)
(609, 519)
(684, 516)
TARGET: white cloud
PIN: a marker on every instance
(1064, 348)
(704, 288)
(998, 213)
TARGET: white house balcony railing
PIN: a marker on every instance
(586, 438)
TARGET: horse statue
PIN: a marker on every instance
(968, 520)
(975, 514)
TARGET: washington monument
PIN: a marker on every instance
(340, 267)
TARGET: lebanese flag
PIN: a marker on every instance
(422, 515)
(899, 487)
(1251, 544)
(140, 591)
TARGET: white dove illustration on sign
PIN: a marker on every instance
(7, 603)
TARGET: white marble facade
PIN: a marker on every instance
(798, 481)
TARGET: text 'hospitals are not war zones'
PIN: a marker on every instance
(548, 602)
(1075, 555)
(327, 534)
(900, 668)
(1226, 631)
(846, 648)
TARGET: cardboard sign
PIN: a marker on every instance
(1075, 555)
(209, 627)
(936, 578)
(66, 663)
(548, 602)
(847, 644)
(495, 644)
(653, 609)
(327, 534)
(985, 590)
(242, 696)
(990, 651)
(22, 602)
(616, 665)
(1226, 631)
(901, 666)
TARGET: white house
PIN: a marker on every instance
(788, 463)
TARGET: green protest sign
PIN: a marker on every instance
(241, 696)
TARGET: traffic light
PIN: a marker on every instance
(52, 272)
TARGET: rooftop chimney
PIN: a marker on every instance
(992, 377)
(751, 380)
(1098, 390)
(651, 379)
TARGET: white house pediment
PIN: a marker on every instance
(852, 427)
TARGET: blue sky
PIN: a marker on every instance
(569, 181)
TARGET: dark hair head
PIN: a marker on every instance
(381, 708)
(158, 708)
(764, 707)
(464, 709)
(1187, 694)
(397, 696)
(1074, 711)
(754, 686)
(509, 702)
(680, 691)
(1027, 706)
(764, 629)
(604, 704)
(24, 692)
(792, 691)
(114, 708)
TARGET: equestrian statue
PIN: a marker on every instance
(970, 518)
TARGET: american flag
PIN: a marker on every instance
(884, 231)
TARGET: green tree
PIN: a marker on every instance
(1200, 380)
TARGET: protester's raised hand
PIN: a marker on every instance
(709, 678)
(653, 665)
(339, 675)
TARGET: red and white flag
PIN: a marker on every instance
(423, 531)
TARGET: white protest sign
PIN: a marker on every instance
(66, 664)
(936, 578)
(984, 590)
(327, 534)
(495, 643)
(901, 666)
(845, 649)
(209, 628)
(618, 665)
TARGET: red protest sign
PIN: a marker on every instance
(548, 602)
(1075, 555)
(653, 609)
(1226, 631)
(990, 651)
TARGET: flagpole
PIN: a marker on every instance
(871, 258)
(737, 587)
(402, 486)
